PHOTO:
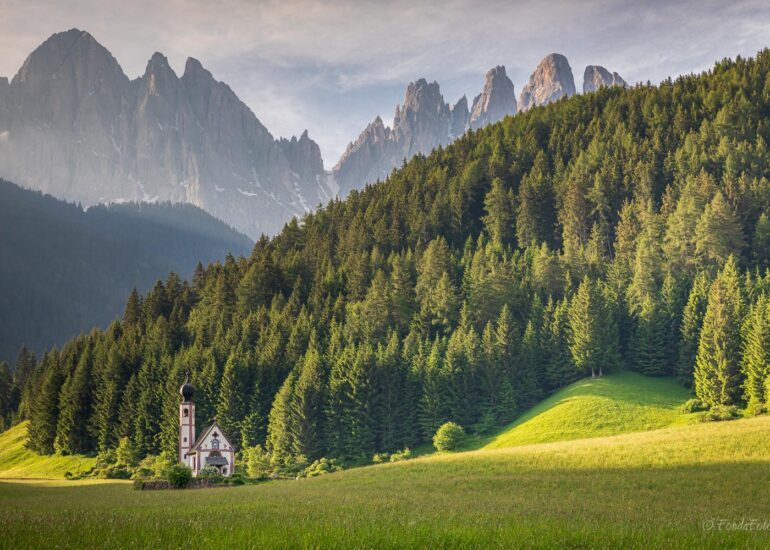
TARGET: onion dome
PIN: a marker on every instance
(187, 390)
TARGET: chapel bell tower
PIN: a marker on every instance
(186, 420)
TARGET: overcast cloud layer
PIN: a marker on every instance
(332, 67)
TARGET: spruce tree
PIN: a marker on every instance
(756, 354)
(648, 342)
(718, 375)
(498, 220)
(692, 321)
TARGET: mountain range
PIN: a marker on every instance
(72, 124)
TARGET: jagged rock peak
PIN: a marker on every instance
(158, 61)
(496, 100)
(551, 80)
(596, 76)
(193, 67)
(73, 48)
(460, 116)
(304, 156)
(421, 96)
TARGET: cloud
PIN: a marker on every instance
(331, 67)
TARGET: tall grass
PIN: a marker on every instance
(644, 490)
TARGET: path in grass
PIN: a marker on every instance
(618, 403)
(16, 461)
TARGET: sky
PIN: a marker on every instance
(332, 67)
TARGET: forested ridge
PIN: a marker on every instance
(617, 229)
(66, 270)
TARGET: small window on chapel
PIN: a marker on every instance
(185, 440)
(185, 413)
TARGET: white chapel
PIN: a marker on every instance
(211, 448)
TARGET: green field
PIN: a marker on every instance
(619, 403)
(654, 489)
(16, 461)
(670, 487)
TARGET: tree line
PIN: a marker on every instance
(618, 229)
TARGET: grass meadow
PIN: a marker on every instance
(680, 487)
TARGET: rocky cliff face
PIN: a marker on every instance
(420, 124)
(496, 101)
(460, 117)
(72, 124)
(423, 122)
(551, 81)
(596, 76)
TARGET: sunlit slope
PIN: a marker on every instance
(658, 489)
(16, 461)
(617, 403)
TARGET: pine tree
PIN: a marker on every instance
(648, 342)
(306, 406)
(756, 354)
(6, 390)
(72, 435)
(718, 375)
(230, 408)
(498, 221)
(560, 369)
(593, 333)
(535, 217)
(692, 321)
(44, 413)
(719, 233)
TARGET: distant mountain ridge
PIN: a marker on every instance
(66, 270)
(72, 124)
(425, 121)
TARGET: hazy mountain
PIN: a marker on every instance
(496, 101)
(423, 122)
(74, 125)
(596, 76)
(66, 270)
(551, 80)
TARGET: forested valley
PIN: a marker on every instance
(622, 229)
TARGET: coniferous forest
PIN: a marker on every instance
(622, 229)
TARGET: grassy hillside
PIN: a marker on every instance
(18, 462)
(666, 488)
(618, 403)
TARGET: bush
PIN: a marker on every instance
(258, 462)
(139, 484)
(179, 476)
(153, 466)
(449, 437)
(692, 405)
(322, 466)
(406, 454)
(722, 412)
(380, 457)
(755, 408)
(116, 471)
(209, 472)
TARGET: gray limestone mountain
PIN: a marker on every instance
(596, 76)
(460, 117)
(423, 122)
(496, 101)
(72, 124)
(551, 81)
